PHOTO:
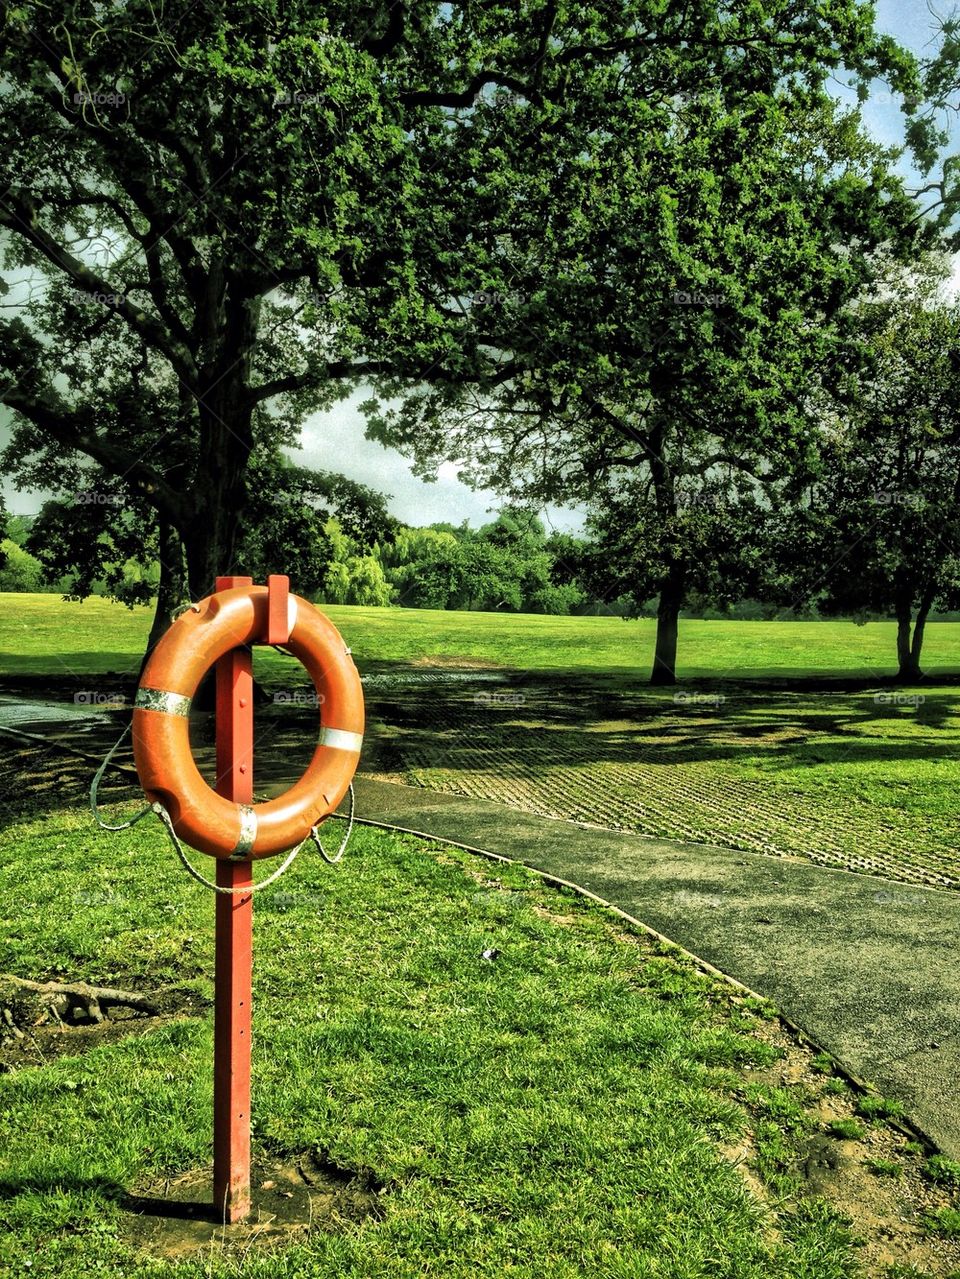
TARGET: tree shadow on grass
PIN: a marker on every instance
(524, 727)
(526, 724)
(72, 670)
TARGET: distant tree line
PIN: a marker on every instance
(510, 564)
(867, 527)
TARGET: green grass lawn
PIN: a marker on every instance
(42, 634)
(556, 1112)
(561, 1111)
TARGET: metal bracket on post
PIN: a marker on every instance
(278, 608)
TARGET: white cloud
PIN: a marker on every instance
(334, 441)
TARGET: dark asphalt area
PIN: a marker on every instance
(866, 966)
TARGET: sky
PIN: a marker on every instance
(335, 440)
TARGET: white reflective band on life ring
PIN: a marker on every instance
(158, 699)
(248, 832)
(341, 740)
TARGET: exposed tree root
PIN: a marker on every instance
(30, 1003)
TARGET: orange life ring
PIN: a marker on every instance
(161, 739)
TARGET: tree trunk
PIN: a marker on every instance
(673, 583)
(908, 652)
(911, 671)
(903, 641)
(218, 503)
(668, 614)
(210, 553)
(225, 419)
(171, 590)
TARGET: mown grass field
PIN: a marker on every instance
(42, 634)
(560, 1111)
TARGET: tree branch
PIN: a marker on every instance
(720, 459)
(68, 428)
(20, 215)
(425, 98)
(154, 284)
(342, 370)
(380, 46)
(132, 168)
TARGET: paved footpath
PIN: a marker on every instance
(867, 966)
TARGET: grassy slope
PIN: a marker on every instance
(554, 1113)
(43, 634)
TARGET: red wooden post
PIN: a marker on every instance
(234, 942)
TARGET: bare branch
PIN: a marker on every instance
(424, 98)
(19, 214)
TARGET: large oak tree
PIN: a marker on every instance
(229, 214)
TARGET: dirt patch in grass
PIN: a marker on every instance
(176, 1218)
(876, 1182)
(563, 920)
(450, 661)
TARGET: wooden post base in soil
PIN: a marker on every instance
(234, 943)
